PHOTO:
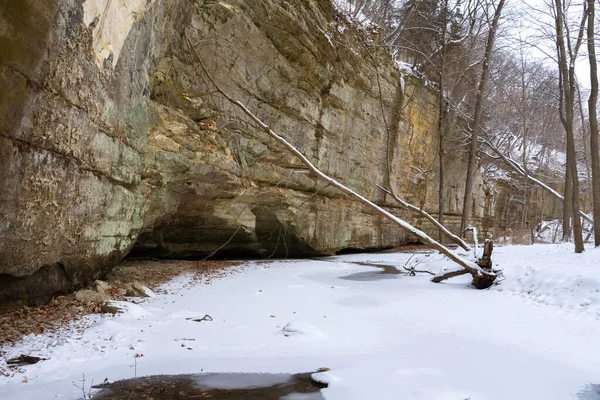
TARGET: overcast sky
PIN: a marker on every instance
(532, 21)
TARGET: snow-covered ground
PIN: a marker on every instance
(534, 336)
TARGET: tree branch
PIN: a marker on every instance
(450, 274)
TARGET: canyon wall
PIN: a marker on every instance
(112, 141)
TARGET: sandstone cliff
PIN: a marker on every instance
(110, 141)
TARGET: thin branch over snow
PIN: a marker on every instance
(481, 278)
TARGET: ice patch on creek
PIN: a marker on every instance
(240, 381)
(383, 271)
(303, 396)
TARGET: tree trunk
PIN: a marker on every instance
(577, 228)
(528, 225)
(525, 139)
(566, 65)
(450, 274)
(486, 259)
(567, 205)
(441, 120)
(476, 127)
(587, 200)
(442, 184)
(592, 105)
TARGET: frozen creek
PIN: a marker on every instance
(534, 336)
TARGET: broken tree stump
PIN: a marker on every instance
(480, 281)
(486, 259)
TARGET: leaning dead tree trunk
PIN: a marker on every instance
(481, 278)
(427, 216)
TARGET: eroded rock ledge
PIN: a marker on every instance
(110, 141)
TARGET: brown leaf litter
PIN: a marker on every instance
(64, 309)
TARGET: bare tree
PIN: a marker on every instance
(525, 142)
(455, 28)
(478, 117)
(567, 55)
(593, 118)
(442, 116)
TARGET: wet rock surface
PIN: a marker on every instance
(90, 296)
(216, 386)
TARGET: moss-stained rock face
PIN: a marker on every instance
(72, 143)
(113, 141)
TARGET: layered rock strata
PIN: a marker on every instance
(111, 140)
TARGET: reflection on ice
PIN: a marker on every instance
(384, 272)
(240, 381)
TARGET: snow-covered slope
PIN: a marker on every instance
(553, 275)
